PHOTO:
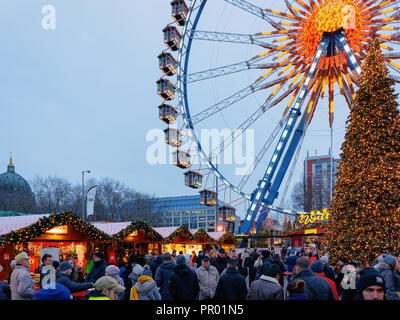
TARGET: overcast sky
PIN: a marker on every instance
(83, 96)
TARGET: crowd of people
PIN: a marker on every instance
(249, 274)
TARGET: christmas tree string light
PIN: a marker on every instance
(364, 217)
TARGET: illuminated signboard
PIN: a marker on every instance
(58, 230)
(314, 217)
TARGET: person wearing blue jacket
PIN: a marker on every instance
(163, 275)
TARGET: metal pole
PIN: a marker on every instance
(216, 189)
(83, 195)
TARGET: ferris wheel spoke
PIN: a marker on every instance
(261, 154)
(251, 120)
(228, 101)
(226, 70)
(232, 38)
(254, 10)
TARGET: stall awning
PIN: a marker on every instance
(111, 228)
(15, 223)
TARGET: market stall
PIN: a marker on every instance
(181, 239)
(202, 237)
(63, 235)
(130, 237)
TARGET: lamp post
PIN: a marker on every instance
(83, 193)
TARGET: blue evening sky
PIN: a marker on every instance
(83, 96)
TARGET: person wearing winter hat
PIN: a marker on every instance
(163, 275)
(220, 261)
(318, 268)
(130, 290)
(63, 276)
(60, 292)
(106, 288)
(371, 285)
(183, 284)
(387, 267)
(208, 278)
(146, 287)
(99, 267)
(113, 272)
(328, 269)
(21, 282)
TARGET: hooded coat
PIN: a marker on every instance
(147, 289)
(163, 274)
(208, 280)
(184, 284)
(392, 280)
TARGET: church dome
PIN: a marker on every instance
(12, 182)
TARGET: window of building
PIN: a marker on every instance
(210, 230)
(185, 213)
(186, 225)
(168, 214)
(211, 218)
(168, 220)
(202, 218)
(211, 224)
(193, 225)
(185, 220)
(177, 221)
(202, 225)
(193, 219)
(177, 214)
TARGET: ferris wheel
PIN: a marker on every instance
(307, 51)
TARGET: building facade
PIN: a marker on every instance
(187, 211)
(318, 181)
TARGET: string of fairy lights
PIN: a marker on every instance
(365, 209)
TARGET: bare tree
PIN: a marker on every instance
(52, 194)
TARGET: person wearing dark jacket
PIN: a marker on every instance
(249, 263)
(277, 260)
(163, 275)
(154, 264)
(291, 261)
(328, 269)
(317, 288)
(99, 267)
(231, 285)
(183, 284)
(63, 277)
(199, 259)
(220, 261)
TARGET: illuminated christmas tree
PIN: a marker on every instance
(364, 219)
